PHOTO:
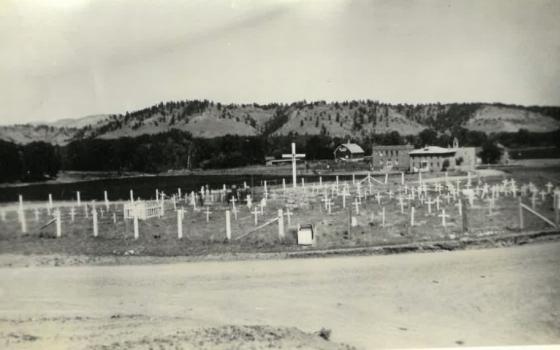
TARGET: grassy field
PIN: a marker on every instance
(158, 236)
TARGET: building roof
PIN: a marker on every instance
(435, 150)
(352, 147)
(392, 147)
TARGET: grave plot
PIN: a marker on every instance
(366, 211)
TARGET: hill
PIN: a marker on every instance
(354, 119)
(97, 119)
(59, 132)
(27, 133)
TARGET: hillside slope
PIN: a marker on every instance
(27, 133)
(356, 119)
(510, 120)
(97, 119)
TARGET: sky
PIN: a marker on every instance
(73, 58)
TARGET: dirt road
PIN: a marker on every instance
(477, 297)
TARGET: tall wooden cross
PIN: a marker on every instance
(294, 157)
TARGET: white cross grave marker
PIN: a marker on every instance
(443, 216)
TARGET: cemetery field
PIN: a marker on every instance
(359, 212)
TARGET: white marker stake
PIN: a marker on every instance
(386, 178)
(94, 215)
(114, 218)
(357, 205)
(179, 192)
(284, 185)
(460, 207)
(289, 216)
(106, 197)
(353, 179)
(50, 202)
(180, 223)
(320, 181)
(131, 196)
(78, 200)
(265, 187)
(402, 178)
(256, 214)
(157, 195)
(383, 217)
(280, 224)
(336, 181)
(58, 223)
(302, 183)
(228, 225)
(411, 216)
(208, 212)
(72, 214)
(135, 225)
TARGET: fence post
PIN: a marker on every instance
(280, 224)
(228, 225)
(58, 223)
(557, 208)
(94, 215)
(521, 223)
(464, 215)
(180, 223)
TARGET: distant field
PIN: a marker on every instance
(535, 153)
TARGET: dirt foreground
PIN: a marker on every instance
(508, 296)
